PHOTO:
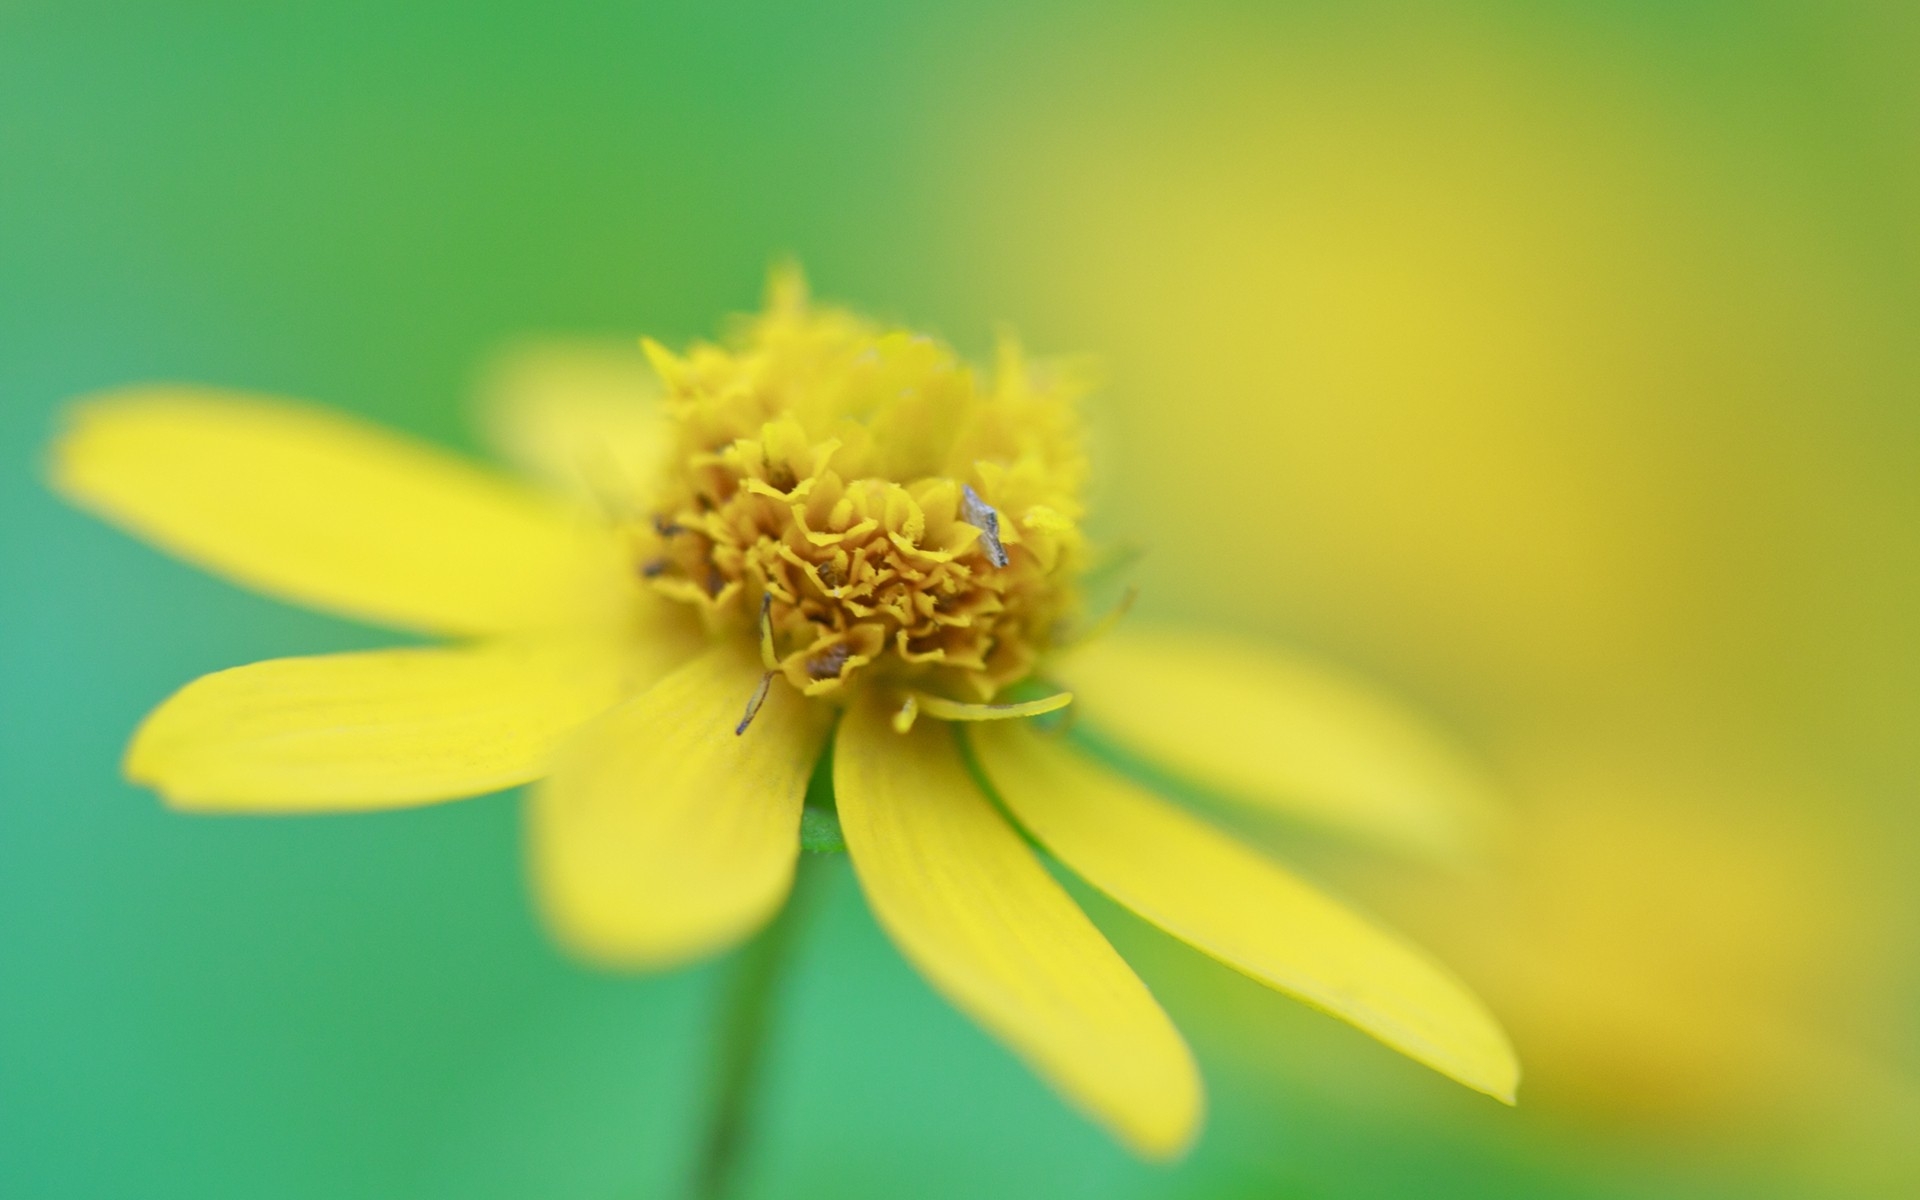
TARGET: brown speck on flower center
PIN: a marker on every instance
(828, 665)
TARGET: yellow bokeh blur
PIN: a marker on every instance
(1575, 397)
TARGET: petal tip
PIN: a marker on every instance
(1506, 1089)
(1497, 1075)
(1172, 1137)
(64, 465)
(143, 762)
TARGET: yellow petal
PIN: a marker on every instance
(971, 907)
(327, 511)
(663, 835)
(583, 416)
(1210, 891)
(381, 729)
(1283, 735)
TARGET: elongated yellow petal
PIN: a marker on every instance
(324, 510)
(1281, 734)
(971, 907)
(381, 729)
(663, 835)
(583, 416)
(1210, 891)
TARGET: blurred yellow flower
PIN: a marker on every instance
(822, 529)
(1681, 945)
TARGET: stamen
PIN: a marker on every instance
(979, 514)
(942, 709)
(768, 658)
(903, 720)
(754, 702)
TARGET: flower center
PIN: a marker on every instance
(859, 500)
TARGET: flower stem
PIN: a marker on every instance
(741, 1045)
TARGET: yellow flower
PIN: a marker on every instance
(824, 529)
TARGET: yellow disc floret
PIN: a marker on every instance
(861, 501)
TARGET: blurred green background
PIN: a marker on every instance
(1555, 363)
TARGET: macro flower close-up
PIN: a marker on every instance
(821, 548)
(1177, 601)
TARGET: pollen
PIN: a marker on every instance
(865, 504)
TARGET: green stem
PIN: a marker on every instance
(742, 1043)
